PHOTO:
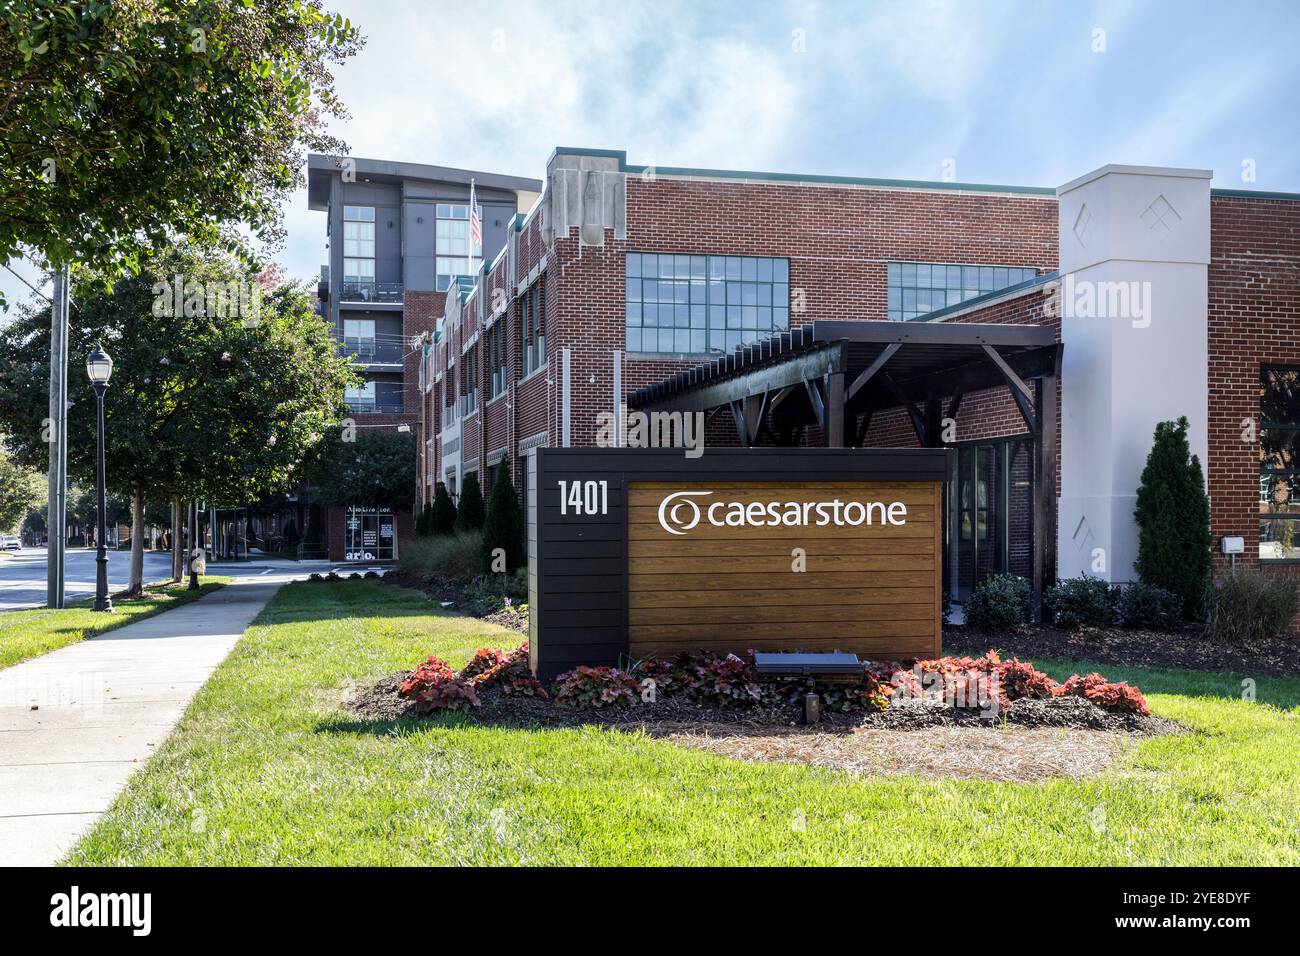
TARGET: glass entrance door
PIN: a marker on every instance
(990, 513)
(369, 535)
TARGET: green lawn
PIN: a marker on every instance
(265, 769)
(31, 633)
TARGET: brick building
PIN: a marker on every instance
(1162, 294)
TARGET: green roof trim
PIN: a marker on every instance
(621, 156)
(1255, 194)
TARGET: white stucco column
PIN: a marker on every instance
(1134, 247)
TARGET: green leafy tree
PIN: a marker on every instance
(202, 403)
(128, 123)
(424, 521)
(442, 518)
(504, 526)
(469, 510)
(21, 490)
(1173, 518)
(371, 468)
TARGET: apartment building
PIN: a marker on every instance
(398, 239)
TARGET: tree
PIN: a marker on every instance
(504, 526)
(370, 468)
(21, 490)
(202, 403)
(469, 510)
(1173, 518)
(127, 123)
(442, 519)
(424, 520)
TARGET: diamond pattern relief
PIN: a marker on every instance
(1081, 224)
(1160, 217)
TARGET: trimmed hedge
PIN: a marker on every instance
(1000, 603)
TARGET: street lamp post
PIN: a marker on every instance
(100, 368)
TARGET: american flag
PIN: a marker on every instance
(475, 223)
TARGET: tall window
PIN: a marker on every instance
(679, 303)
(496, 358)
(360, 398)
(532, 328)
(455, 257)
(917, 288)
(1279, 463)
(358, 251)
(469, 367)
(359, 337)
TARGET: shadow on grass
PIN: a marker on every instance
(1280, 692)
(393, 726)
(301, 602)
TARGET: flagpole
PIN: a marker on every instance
(469, 249)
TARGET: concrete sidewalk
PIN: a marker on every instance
(75, 723)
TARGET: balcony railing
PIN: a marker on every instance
(364, 406)
(368, 290)
(366, 350)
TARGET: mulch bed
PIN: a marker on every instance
(1187, 649)
(1035, 740)
(381, 700)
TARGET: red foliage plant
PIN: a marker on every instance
(1020, 679)
(508, 670)
(484, 660)
(597, 687)
(433, 685)
(1121, 696)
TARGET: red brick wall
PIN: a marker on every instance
(1254, 319)
(838, 241)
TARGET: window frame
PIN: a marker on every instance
(454, 213)
(712, 304)
(961, 282)
(356, 260)
(1268, 474)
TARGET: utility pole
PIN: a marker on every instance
(57, 510)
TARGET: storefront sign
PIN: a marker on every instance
(636, 552)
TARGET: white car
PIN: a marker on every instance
(10, 542)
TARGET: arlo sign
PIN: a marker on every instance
(638, 552)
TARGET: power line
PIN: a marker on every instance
(28, 284)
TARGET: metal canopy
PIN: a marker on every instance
(836, 375)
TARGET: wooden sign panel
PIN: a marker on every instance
(638, 552)
(800, 577)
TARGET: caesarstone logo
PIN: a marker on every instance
(681, 511)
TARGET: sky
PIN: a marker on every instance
(982, 91)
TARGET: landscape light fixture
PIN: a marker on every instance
(99, 368)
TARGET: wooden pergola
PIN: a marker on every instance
(837, 375)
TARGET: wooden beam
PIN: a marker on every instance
(738, 415)
(755, 417)
(816, 400)
(742, 382)
(933, 421)
(1019, 390)
(833, 434)
(971, 376)
(1045, 530)
(863, 427)
(918, 424)
(885, 355)
(954, 405)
